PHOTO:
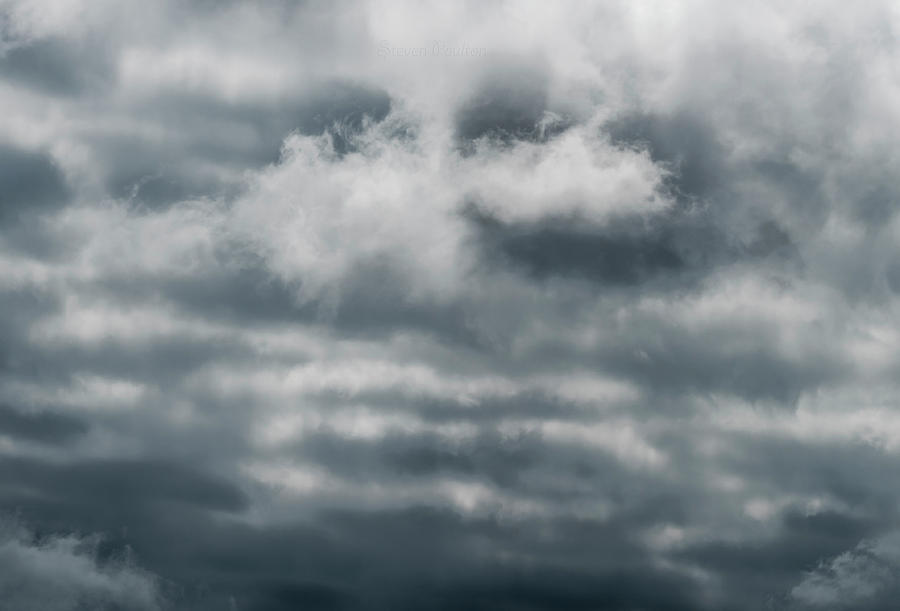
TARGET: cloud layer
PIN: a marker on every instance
(403, 305)
(61, 573)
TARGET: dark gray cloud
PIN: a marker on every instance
(681, 141)
(44, 427)
(122, 483)
(208, 137)
(629, 252)
(32, 183)
(56, 66)
(511, 103)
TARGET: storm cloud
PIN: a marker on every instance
(404, 305)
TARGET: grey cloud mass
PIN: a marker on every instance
(481, 305)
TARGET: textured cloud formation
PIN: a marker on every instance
(481, 305)
(61, 573)
(862, 578)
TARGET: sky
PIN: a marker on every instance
(420, 305)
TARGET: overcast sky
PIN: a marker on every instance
(424, 306)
